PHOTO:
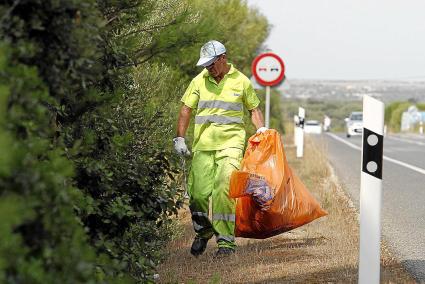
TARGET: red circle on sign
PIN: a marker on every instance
(257, 77)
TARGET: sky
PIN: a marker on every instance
(347, 39)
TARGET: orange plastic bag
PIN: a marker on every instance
(281, 203)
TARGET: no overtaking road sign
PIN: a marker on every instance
(268, 69)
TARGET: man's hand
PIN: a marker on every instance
(180, 146)
(262, 129)
(257, 119)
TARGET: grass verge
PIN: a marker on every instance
(324, 251)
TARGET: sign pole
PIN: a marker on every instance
(267, 122)
(371, 190)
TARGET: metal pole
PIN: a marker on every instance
(267, 106)
(371, 190)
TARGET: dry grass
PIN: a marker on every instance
(324, 251)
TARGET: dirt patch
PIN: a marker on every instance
(324, 251)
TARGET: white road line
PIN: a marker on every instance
(406, 140)
(419, 170)
(345, 142)
(400, 163)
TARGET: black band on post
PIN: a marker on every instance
(373, 146)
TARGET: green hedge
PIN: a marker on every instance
(89, 95)
(393, 114)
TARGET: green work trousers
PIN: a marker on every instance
(210, 177)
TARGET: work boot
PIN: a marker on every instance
(223, 252)
(198, 246)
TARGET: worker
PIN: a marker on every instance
(220, 93)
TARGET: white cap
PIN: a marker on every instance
(209, 52)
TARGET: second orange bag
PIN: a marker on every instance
(271, 199)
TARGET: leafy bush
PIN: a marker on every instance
(125, 170)
(48, 76)
(88, 94)
(421, 106)
(41, 240)
(240, 28)
(393, 113)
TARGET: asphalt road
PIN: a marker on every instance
(403, 200)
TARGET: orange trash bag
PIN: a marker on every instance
(271, 199)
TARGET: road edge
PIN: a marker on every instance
(388, 253)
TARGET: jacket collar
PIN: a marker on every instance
(231, 71)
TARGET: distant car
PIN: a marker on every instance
(354, 124)
(313, 127)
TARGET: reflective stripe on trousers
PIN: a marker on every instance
(224, 217)
(225, 238)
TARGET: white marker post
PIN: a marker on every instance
(296, 122)
(300, 133)
(371, 190)
(268, 70)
